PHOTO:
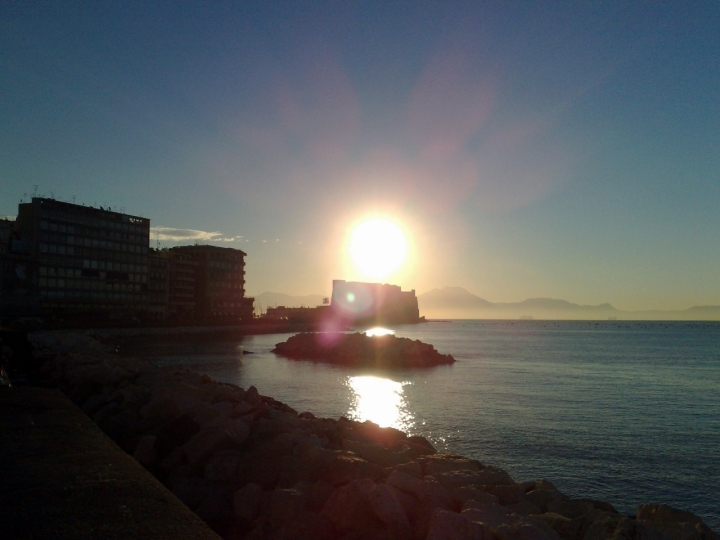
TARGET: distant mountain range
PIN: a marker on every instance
(459, 303)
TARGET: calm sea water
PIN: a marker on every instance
(627, 412)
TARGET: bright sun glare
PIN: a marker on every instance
(378, 247)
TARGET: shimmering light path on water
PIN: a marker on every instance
(620, 411)
(381, 401)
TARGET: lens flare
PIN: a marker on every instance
(378, 248)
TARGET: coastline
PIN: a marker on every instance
(327, 472)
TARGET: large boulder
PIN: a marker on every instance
(493, 515)
(404, 482)
(388, 507)
(451, 526)
(542, 497)
(616, 527)
(204, 443)
(377, 453)
(349, 508)
(673, 523)
(443, 463)
(526, 530)
(567, 528)
(246, 503)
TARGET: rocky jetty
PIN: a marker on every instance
(358, 349)
(254, 468)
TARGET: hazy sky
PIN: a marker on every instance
(558, 149)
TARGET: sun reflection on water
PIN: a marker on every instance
(379, 331)
(381, 401)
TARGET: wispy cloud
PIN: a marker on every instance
(171, 234)
(11, 218)
(179, 235)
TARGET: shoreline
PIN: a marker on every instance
(326, 470)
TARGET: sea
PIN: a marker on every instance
(624, 412)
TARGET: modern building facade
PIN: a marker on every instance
(182, 285)
(158, 285)
(18, 286)
(172, 286)
(84, 260)
(220, 283)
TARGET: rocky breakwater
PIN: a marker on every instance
(359, 349)
(254, 468)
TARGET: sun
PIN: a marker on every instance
(378, 247)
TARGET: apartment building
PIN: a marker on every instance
(17, 273)
(85, 260)
(220, 283)
(158, 285)
(182, 285)
(171, 284)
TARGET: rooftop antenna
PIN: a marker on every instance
(73, 199)
(52, 194)
(35, 191)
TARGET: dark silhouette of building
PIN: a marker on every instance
(296, 314)
(182, 285)
(69, 261)
(220, 283)
(82, 260)
(172, 285)
(373, 303)
(158, 284)
(18, 282)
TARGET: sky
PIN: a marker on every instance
(527, 149)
